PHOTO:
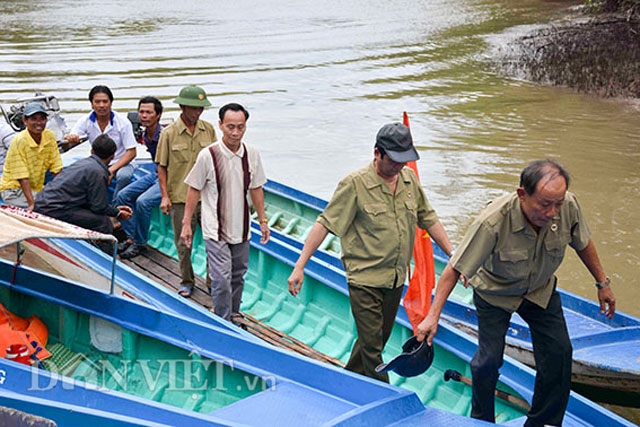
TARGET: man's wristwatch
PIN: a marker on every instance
(604, 284)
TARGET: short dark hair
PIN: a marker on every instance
(380, 151)
(538, 169)
(100, 89)
(157, 105)
(233, 107)
(103, 146)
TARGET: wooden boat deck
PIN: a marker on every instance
(165, 270)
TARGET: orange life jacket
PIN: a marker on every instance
(31, 332)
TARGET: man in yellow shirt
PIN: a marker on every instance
(31, 153)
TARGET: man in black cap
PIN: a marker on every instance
(375, 211)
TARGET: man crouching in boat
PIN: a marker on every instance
(79, 194)
(510, 254)
(375, 211)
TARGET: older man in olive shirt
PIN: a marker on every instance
(375, 211)
(178, 148)
(510, 254)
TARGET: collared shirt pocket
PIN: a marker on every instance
(179, 152)
(555, 249)
(511, 264)
(375, 215)
(412, 210)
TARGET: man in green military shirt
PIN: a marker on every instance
(510, 255)
(178, 148)
(375, 211)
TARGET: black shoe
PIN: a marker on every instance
(132, 251)
(123, 246)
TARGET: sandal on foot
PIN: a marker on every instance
(132, 251)
(185, 291)
(238, 320)
(123, 246)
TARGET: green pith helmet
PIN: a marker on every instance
(192, 96)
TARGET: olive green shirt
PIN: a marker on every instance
(505, 259)
(377, 227)
(178, 150)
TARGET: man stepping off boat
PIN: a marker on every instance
(510, 255)
(224, 175)
(375, 211)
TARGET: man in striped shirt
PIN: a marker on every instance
(224, 174)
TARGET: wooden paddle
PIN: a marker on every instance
(452, 374)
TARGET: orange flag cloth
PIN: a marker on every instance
(417, 299)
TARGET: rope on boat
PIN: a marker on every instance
(282, 340)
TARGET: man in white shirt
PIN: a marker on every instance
(225, 174)
(103, 120)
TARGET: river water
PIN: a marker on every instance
(321, 77)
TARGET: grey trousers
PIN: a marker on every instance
(228, 264)
(16, 197)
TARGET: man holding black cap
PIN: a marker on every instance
(32, 152)
(510, 255)
(375, 211)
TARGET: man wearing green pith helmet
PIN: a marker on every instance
(178, 148)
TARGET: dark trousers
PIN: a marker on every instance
(552, 353)
(82, 218)
(374, 311)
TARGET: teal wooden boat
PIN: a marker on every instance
(605, 351)
(320, 318)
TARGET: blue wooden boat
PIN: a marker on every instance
(320, 317)
(606, 352)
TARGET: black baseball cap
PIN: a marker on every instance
(395, 139)
(415, 359)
